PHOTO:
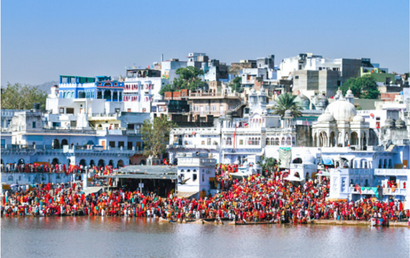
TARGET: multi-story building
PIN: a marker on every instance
(141, 88)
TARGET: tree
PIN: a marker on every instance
(155, 135)
(188, 79)
(17, 96)
(364, 87)
(285, 102)
(236, 84)
(268, 164)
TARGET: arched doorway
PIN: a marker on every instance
(120, 164)
(64, 142)
(107, 94)
(56, 144)
(111, 163)
(332, 139)
(92, 163)
(354, 140)
(364, 142)
(83, 162)
(297, 161)
(55, 161)
(21, 162)
(101, 163)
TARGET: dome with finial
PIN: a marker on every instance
(400, 123)
(322, 103)
(303, 101)
(389, 123)
(358, 118)
(342, 110)
(326, 117)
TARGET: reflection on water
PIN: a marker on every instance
(130, 237)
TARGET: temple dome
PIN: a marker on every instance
(308, 158)
(326, 117)
(400, 123)
(342, 110)
(303, 101)
(358, 118)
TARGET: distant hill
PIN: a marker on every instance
(46, 86)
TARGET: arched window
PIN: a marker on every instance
(267, 141)
(276, 141)
(120, 164)
(288, 141)
(283, 141)
(64, 142)
(380, 163)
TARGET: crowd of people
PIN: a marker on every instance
(44, 167)
(252, 199)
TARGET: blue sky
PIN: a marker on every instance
(44, 39)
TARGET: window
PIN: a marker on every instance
(339, 83)
(70, 110)
(203, 143)
(120, 144)
(229, 141)
(209, 141)
(61, 110)
(241, 142)
(73, 123)
(194, 177)
(130, 145)
(112, 144)
(130, 126)
(296, 77)
(34, 124)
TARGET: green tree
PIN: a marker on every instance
(285, 102)
(188, 79)
(17, 96)
(364, 87)
(236, 84)
(155, 135)
(268, 165)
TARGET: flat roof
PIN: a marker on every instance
(146, 172)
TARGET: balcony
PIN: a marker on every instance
(392, 172)
(386, 191)
(33, 149)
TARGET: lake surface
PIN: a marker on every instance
(132, 237)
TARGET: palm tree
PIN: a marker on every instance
(287, 102)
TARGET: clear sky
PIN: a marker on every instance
(44, 39)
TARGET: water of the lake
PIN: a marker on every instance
(132, 237)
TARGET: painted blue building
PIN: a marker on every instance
(100, 87)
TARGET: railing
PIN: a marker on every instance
(386, 191)
(392, 172)
(76, 148)
(103, 115)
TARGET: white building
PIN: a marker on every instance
(141, 88)
(195, 171)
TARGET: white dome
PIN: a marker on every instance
(308, 158)
(342, 110)
(358, 118)
(326, 117)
